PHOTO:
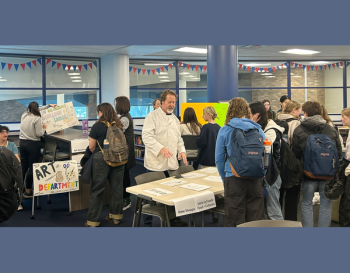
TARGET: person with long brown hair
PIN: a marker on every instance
(244, 197)
(31, 129)
(101, 171)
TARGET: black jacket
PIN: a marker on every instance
(129, 136)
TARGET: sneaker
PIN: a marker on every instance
(177, 222)
(28, 195)
(126, 203)
(113, 221)
(20, 207)
(87, 225)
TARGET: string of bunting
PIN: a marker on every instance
(34, 62)
(166, 67)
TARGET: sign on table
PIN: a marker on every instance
(209, 170)
(213, 178)
(194, 203)
(173, 183)
(158, 191)
(79, 145)
(59, 118)
(55, 177)
(192, 175)
(195, 187)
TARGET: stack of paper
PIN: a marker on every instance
(173, 183)
(213, 178)
(209, 170)
(195, 187)
(158, 191)
(192, 175)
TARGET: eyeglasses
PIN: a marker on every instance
(4, 132)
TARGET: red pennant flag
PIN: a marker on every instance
(196, 67)
(316, 66)
(282, 66)
(291, 63)
(143, 71)
(333, 65)
(325, 67)
(23, 66)
(300, 66)
(134, 69)
(180, 63)
(188, 66)
(240, 66)
(257, 69)
(171, 66)
(9, 65)
(341, 63)
(205, 68)
(48, 60)
(274, 69)
(90, 64)
(58, 65)
(34, 62)
(162, 68)
(153, 70)
(308, 67)
(69, 66)
(248, 68)
(79, 67)
(265, 69)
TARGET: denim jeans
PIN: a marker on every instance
(272, 200)
(101, 172)
(325, 215)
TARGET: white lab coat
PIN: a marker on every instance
(161, 130)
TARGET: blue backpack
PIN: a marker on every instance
(247, 154)
(321, 156)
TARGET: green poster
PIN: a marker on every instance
(221, 109)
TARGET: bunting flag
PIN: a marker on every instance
(153, 70)
(58, 65)
(192, 66)
(304, 66)
(143, 71)
(34, 62)
(139, 70)
(180, 63)
(240, 66)
(244, 67)
(188, 67)
(201, 67)
(3, 65)
(162, 68)
(39, 61)
(291, 63)
(158, 70)
(134, 69)
(148, 71)
(29, 64)
(95, 63)
(64, 66)
(171, 66)
(205, 68)
(248, 68)
(300, 65)
(333, 65)
(69, 66)
(85, 66)
(274, 69)
(265, 69)
(270, 69)
(90, 65)
(23, 66)
(130, 68)
(196, 67)
(79, 67)
(48, 60)
(166, 67)
(74, 67)
(9, 66)
(337, 65)
(16, 66)
(53, 63)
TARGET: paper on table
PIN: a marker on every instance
(213, 178)
(79, 145)
(192, 175)
(195, 187)
(158, 191)
(173, 183)
(77, 158)
(209, 170)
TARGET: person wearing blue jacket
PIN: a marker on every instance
(244, 198)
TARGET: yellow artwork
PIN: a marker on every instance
(198, 108)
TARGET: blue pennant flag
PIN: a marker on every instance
(129, 67)
(270, 69)
(28, 63)
(286, 64)
(347, 63)
(64, 66)
(296, 65)
(304, 67)
(148, 71)
(3, 65)
(320, 66)
(261, 69)
(85, 65)
(95, 63)
(39, 60)
(74, 67)
(174, 63)
(244, 67)
(192, 66)
(201, 67)
(253, 68)
(337, 64)
(166, 67)
(312, 67)
(158, 70)
(16, 66)
(278, 67)
(53, 63)
(184, 65)
(329, 66)
(138, 70)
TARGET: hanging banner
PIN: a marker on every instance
(55, 177)
(59, 118)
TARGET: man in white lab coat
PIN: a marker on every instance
(162, 138)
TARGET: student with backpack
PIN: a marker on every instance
(106, 133)
(239, 159)
(316, 144)
(273, 181)
(289, 192)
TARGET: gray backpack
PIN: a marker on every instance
(117, 152)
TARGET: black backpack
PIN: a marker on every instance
(11, 183)
(274, 168)
(284, 124)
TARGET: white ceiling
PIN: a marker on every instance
(166, 51)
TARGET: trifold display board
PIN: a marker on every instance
(220, 108)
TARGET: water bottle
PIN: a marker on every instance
(267, 155)
(105, 144)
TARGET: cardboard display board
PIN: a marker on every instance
(59, 118)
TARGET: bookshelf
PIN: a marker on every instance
(139, 147)
(344, 132)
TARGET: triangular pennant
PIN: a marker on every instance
(333, 65)
(270, 69)
(53, 63)
(329, 66)
(158, 70)
(166, 67)
(3, 65)
(148, 71)
(286, 64)
(248, 68)
(261, 69)
(244, 67)
(265, 69)
(9, 66)
(341, 63)
(296, 65)
(134, 69)
(240, 66)
(95, 63)
(69, 66)
(74, 67)
(48, 60)
(274, 69)
(180, 63)
(153, 70)
(188, 66)
(201, 67)
(39, 60)
(28, 63)
(171, 66)
(196, 67)
(139, 70)
(300, 66)
(174, 63)
(58, 65)
(325, 67)
(90, 64)
(205, 68)
(281, 66)
(143, 71)
(316, 66)
(85, 65)
(130, 67)
(162, 68)
(184, 65)
(308, 67)
(23, 66)
(291, 63)
(337, 64)
(320, 67)
(253, 68)
(278, 68)
(34, 62)
(193, 66)
(304, 67)
(64, 66)
(347, 63)
(79, 67)
(16, 66)
(312, 67)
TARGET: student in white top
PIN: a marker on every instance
(190, 126)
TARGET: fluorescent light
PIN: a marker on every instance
(165, 80)
(162, 73)
(296, 76)
(156, 64)
(300, 51)
(192, 50)
(75, 77)
(262, 64)
(0, 77)
(196, 78)
(73, 74)
(184, 73)
(189, 99)
(163, 77)
(3, 80)
(190, 76)
(76, 80)
(270, 76)
(267, 74)
(340, 66)
(319, 62)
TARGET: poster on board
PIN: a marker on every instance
(55, 177)
(59, 118)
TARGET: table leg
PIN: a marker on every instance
(139, 215)
(167, 216)
(202, 218)
(135, 211)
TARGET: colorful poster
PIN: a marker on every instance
(55, 177)
(59, 118)
(221, 110)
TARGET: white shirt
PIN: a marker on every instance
(161, 130)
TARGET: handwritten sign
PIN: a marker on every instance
(59, 118)
(55, 177)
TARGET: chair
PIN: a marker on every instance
(272, 223)
(160, 210)
(219, 209)
(190, 144)
(181, 170)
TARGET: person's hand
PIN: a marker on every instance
(184, 158)
(53, 105)
(44, 126)
(166, 153)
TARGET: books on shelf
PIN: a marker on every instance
(139, 153)
(138, 140)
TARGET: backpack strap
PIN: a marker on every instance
(99, 146)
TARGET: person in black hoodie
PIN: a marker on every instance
(314, 124)
(122, 107)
